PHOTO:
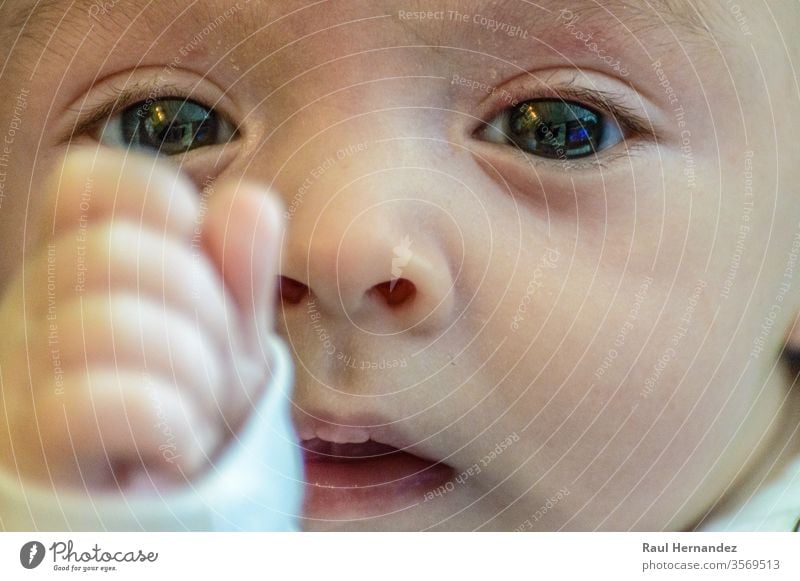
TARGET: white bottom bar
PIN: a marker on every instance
(402, 556)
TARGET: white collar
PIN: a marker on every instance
(773, 507)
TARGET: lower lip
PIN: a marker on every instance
(369, 487)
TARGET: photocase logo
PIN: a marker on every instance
(402, 256)
(31, 554)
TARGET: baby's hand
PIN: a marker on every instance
(130, 344)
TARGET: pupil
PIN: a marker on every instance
(555, 129)
(170, 126)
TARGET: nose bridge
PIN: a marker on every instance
(362, 238)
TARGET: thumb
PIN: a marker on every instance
(242, 234)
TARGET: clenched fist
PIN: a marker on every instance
(135, 336)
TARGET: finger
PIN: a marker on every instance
(125, 258)
(242, 235)
(131, 332)
(115, 427)
(91, 184)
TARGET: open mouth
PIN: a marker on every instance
(354, 480)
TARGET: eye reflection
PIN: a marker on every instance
(169, 126)
(553, 128)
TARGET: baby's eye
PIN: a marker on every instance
(553, 128)
(169, 126)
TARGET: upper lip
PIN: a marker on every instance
(348, 439)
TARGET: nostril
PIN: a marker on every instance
(396, 292)
(290, 290)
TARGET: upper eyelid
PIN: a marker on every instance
(118, 99)
(605, 102)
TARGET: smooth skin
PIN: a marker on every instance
(525, 273)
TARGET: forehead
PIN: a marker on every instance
(28, 16)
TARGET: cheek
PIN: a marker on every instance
(620, 359)
(591, 335)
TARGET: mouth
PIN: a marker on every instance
(365, 479)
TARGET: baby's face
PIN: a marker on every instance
(535, 243)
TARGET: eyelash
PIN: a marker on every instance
(637, 130)
(119, 99)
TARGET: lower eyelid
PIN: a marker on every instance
(608, 159)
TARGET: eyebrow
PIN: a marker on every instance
(49, 14)
(25, 22)
(683, 17)
(43, 10)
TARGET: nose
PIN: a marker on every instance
(375, 265)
